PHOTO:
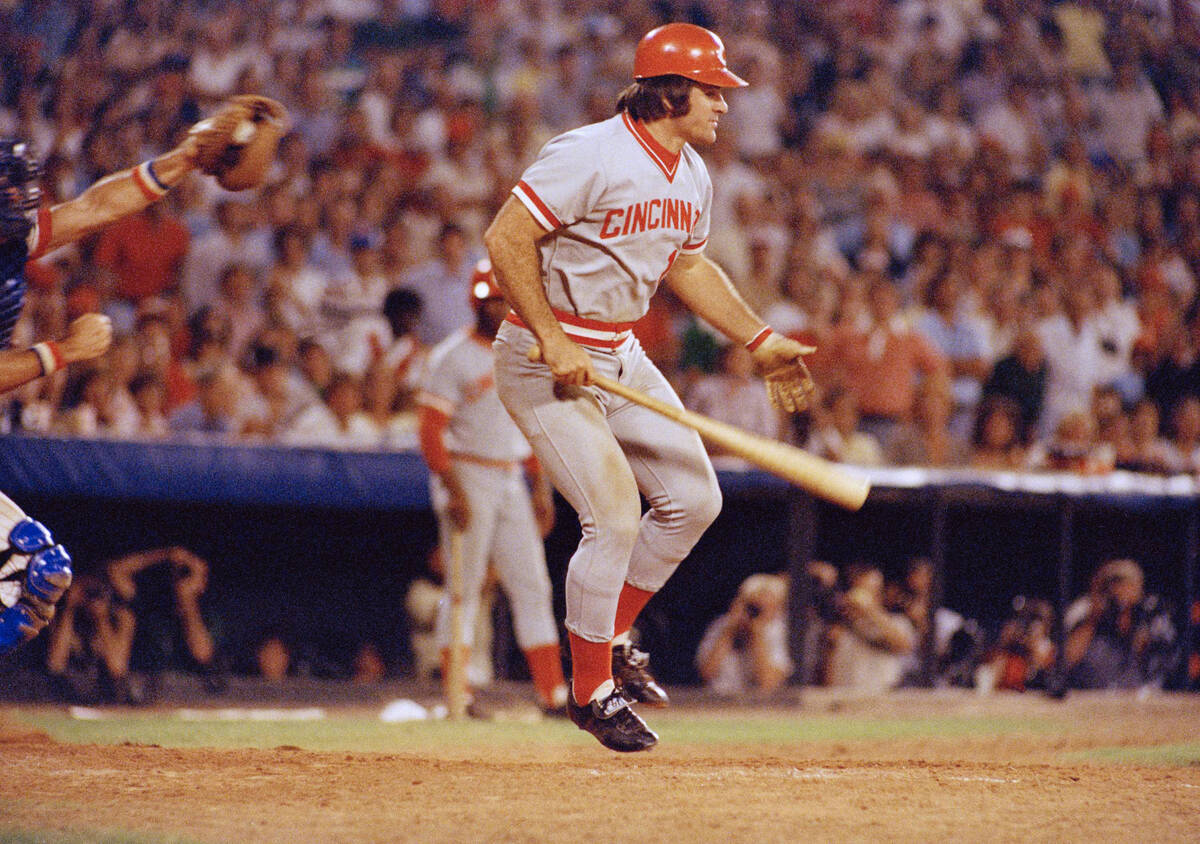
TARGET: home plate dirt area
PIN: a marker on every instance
(909, 767)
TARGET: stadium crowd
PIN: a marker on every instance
(986, 214)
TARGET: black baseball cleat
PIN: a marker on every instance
(613, 723)
(631, 673)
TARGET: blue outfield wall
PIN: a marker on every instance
(321, 546)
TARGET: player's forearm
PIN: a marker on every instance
(118, 195)
(195, 633)
(18, 367)
(707, 292)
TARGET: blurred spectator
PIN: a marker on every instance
(945, 322)
(1021, 377)
(442, 283)
(1118, 637)
(1073, 448)
(338, 422)
(955, 643)
(735, 395)
(927, 440)
(1148, 450)
(745, 649)
(235, 238)
(836, 436)
(996, 439)
(882, 359)
(145, 255)
(868, 646)
(1185, 435)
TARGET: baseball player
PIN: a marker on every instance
(34, 570)
(475, 455)
(603, 215)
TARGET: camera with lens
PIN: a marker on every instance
(825, 600)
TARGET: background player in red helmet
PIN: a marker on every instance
(604, 214)
(475, 456)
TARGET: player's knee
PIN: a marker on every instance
(48, 575)
(698, 508)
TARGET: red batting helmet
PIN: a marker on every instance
(687, 50)
(483, 283)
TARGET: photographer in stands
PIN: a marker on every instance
(1118, 637)
(746, 648)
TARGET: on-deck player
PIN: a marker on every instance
(34, 571)
(603, 215)
(475, 456)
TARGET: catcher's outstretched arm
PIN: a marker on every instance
(118, 195)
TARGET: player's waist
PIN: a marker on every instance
(586, 332)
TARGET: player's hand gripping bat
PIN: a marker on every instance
(816, 475)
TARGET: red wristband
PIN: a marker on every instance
(759, 338)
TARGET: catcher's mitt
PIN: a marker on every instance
(238, 143)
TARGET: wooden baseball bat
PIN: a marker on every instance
(811, 473)
(456, 659)
(814, 474)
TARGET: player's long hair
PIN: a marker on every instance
(652, 99)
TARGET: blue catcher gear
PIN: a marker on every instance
(34, 574)
(20, 192)
(17, 625)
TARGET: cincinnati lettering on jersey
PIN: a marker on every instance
(678, 214)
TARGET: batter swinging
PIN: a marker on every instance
(603, 215)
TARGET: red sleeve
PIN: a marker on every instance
(431, 425)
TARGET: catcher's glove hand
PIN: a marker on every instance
(238, 143)
(780, 360)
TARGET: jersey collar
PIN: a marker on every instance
(666, 160)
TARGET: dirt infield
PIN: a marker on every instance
(1005, 784)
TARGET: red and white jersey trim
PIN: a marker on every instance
(540, 210)
(666, 160)
(587, 332)
(441, 403)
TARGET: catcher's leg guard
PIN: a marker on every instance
(34, 574)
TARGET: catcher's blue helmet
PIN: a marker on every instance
(20, 191)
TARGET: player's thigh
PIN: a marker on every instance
(518, 555)
(571, 438)
(668, 459)
(476, 539)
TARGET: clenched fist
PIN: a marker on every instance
(88, 337)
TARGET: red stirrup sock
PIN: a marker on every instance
(545, 666)
(591, 665)
(630, 603)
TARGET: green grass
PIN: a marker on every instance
(1187, 753)
(343, 732)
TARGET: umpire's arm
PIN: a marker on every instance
(118, 195)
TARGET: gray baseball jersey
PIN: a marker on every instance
(619, 209)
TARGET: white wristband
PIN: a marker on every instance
(48, 356)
